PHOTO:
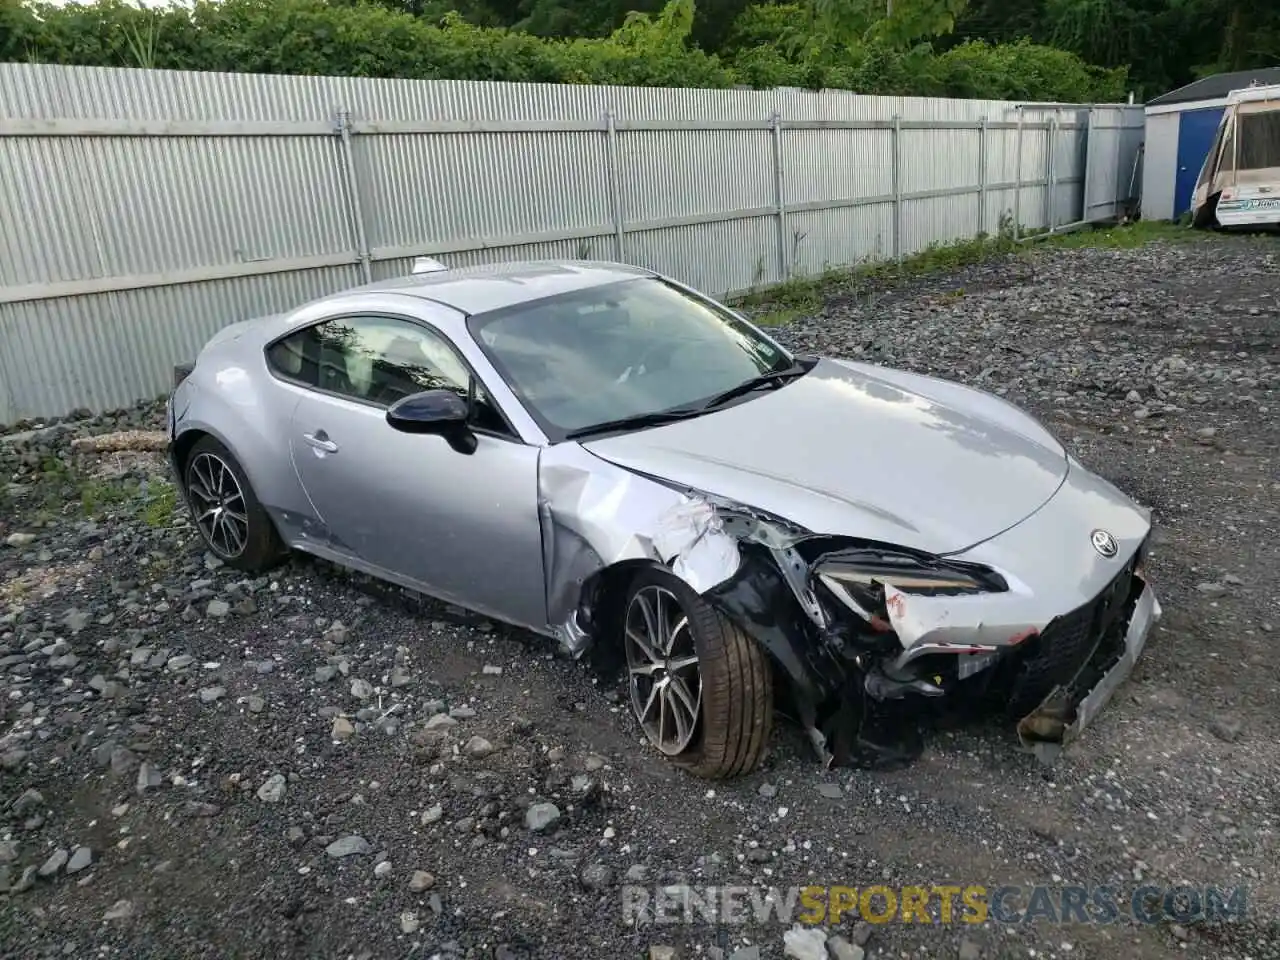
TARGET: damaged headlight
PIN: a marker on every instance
(859, 582)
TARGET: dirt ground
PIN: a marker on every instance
(306, 765)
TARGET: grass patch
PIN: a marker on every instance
(784, 303)
(1128, 237)
(158, 509)
(152, 503)
(781, 304)
(777, 316)
(98, 496)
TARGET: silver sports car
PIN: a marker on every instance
(596, 453)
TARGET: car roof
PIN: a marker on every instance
(493, 286)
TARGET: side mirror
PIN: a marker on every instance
(439, 412)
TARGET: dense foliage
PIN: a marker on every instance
(1068, 50)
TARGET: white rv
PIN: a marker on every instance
(1239, 184)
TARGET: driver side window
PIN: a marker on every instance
(380, 360)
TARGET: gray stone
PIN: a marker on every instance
(148, 777)
(26, 881)
(273, 790)
(343, 729)
(75, 620)
(805, 943)
(831, 791)
(122, 760)
(767, 790)
(80, 859)
(28, 800)
(217, 608)
(348, 846)
(18, 540)
(842, 949)
(541, 816)
(121, 910)
(8, 851)
(361, 689)
(477, 748)
(432, 814)
(1211, 589)
(1226, 728)
(440, 721)
(56, 862)
(969, 950)
(210, 694)
(421, 881)
(746, 953)
(255, 703)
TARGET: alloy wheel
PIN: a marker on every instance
(662, 667)
(218, 505)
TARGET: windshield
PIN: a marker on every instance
(619, 351)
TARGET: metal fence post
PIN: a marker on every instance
(982, 176)
(897, 188)
(1052, 162)
(615, 188)
(779, 190)
(342, 127)
(1017, 179)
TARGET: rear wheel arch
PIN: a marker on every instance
(260, 546)
(183, 444)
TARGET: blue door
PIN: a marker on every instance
(1196, 130)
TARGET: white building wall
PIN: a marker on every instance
(1160, 166)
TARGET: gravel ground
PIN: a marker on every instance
(196, 765)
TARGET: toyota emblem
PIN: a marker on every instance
(1104, 543)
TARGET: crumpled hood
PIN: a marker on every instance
(859, 450)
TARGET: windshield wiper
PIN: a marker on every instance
(635, 422)
(774, 378)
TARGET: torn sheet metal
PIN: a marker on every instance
(693, 534)
(1062, 717)
(595, 514)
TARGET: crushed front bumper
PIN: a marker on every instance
(1071, 706)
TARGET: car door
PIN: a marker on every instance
(462, 527)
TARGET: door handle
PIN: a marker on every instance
(320, 440)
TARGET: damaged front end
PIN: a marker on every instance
(869, 636)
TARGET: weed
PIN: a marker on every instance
(157, 511)
(777, 317)
(785, 302)
(1127, 237)
(99, 495)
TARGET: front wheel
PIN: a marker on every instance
(700, 688)
(231, 520)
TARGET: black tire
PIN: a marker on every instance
(262, 547)
(736, 701)
(1206, 218)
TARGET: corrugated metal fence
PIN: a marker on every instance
(142, 210)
